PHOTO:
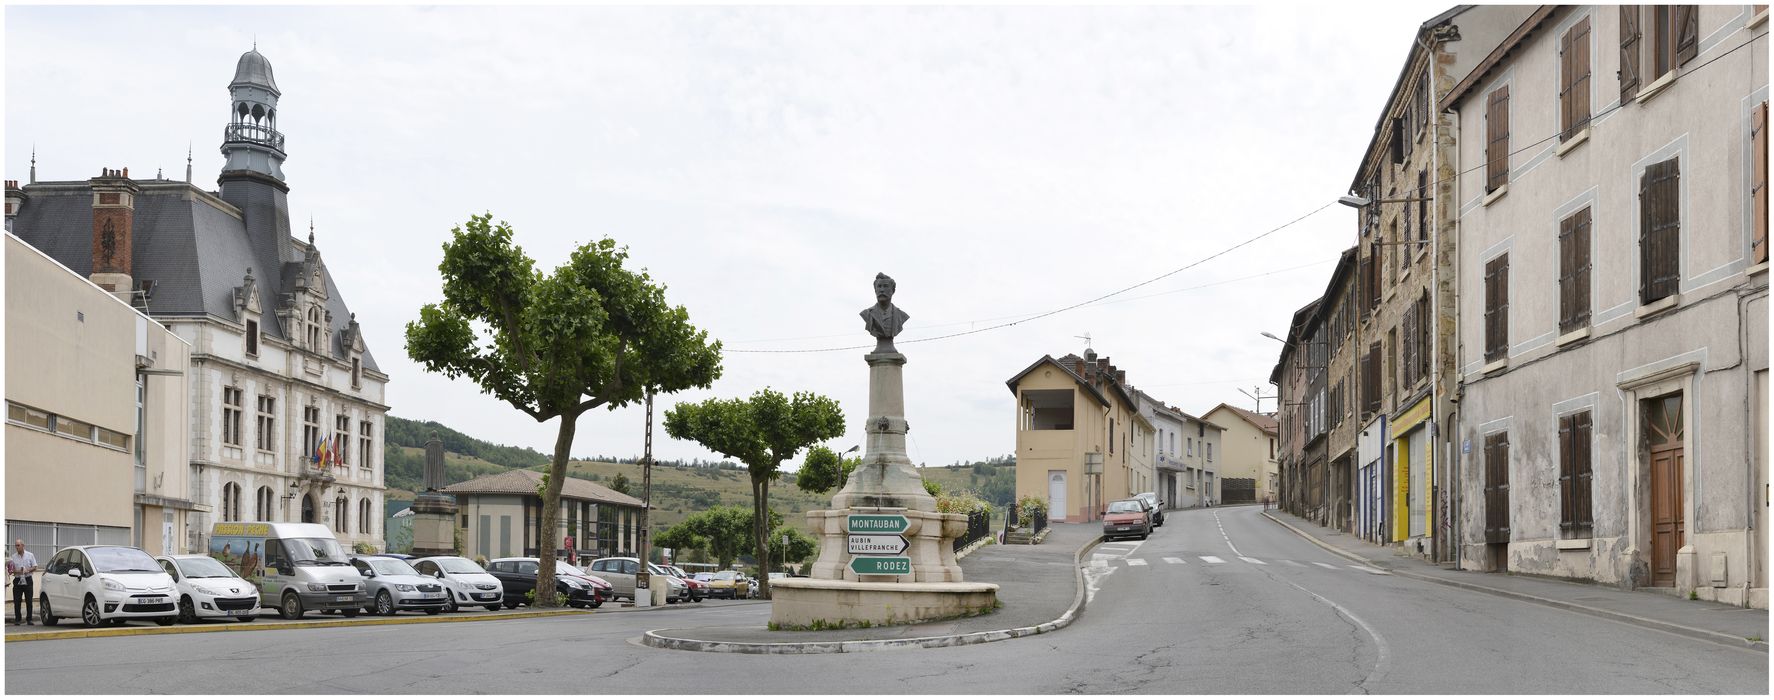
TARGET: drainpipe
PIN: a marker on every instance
(1437, 434)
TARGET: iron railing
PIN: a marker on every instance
(253, 133)
(979, 527)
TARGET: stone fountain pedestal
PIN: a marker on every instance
(930, 586)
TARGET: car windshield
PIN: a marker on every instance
(1126, 507)
(115, 560)
(308, 551)
(725, 575)
(391, 567)
(705, 577)
(204, 567)
(561, 567)
(657, 569)
(458, 565)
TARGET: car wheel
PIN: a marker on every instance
(597, 603)
(187, 611)
(292, 607)
(449, 603)
(493, 608)
(89, 613)
(384, 604)
(165, 621)
(246, 618)
(49, 618)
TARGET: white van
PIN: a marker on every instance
(297, 566)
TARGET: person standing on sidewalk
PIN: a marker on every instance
(20, 565)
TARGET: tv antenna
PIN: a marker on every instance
(1085, 338)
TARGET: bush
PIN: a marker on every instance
(363, 548)
(935, 489)
(1031, 504)
(961, 502)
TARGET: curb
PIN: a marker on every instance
(251, 627)
(1670, 627)
(969, 549)
(653, 639)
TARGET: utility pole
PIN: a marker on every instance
(647, 499)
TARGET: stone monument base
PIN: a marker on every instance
(434, 525)
(799, 602)
(930, 537)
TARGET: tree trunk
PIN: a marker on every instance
(551, 507)
(760, 492)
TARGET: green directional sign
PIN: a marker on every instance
(878, 524)
(881, 566)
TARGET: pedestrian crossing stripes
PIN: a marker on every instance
(1136, 562)
(1212, 559)
(1327, 566)
(1253, 561)
(1172, 560)
(1292, 563)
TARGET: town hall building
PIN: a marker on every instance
(279, 371)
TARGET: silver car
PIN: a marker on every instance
(394, 585)
(620, 572)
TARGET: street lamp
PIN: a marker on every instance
(1271, 336)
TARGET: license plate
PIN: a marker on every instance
(1124, 529)
(151, 601)
(486, 596)
(342, 599)
(434, 595)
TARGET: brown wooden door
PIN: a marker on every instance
(1668, 534)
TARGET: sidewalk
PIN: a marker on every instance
(1037, 586)
(1715, 622)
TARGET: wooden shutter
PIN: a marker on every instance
(1425, 342)
(1660, 230)
(1566, 471)
(1379, 258)
(1687, 33)
(1496, 287)
(1408, 370)
(1496, 467)
(1567, 241)
(1574, 87)
(1574, 271)
(1629, 52)
(1566, 71)
(1580, 498)
(1758, 188)
(1497, 139)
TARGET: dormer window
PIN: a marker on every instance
(252, 338)
(356, 373)
(314, 328)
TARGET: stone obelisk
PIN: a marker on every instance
(434, 513)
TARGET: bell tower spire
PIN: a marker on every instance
(251, 141)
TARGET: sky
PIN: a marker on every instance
(766, 163)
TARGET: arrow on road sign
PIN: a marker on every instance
(879, 566)
(879, 545)
(877, 524)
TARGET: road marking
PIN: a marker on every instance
(1370, 570)
(1253, 561)
(1172, 560)
(1382, 651)
(1212, 559)
(1136, 562)
(1292, 563)
(1216, 523)
(1327, 566)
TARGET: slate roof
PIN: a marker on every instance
(194, 246)
(1048, 359)
(524, 482)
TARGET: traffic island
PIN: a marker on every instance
(805, 603)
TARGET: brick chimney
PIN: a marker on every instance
(113, 226)
(15, 199)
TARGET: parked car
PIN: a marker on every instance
(1126, 518)
(107, 584)
(208, 588)
(395, 585)
(698, 589)
(300, 566)
(518, 576)
(603, 588)
(728, 584)
(464, 581)
(1157, 511)
(621, 571)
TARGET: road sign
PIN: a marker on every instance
(878, 524)
(878, 566)
(878, 545)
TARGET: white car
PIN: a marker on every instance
(467, 583)
(107, 584)
(208, 588)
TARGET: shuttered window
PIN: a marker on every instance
(1660, 230)
(1379, 269)
(1629, 52)
(1425, 342)
(1397, 142)
(1687, 33)
(1408, 368)
(1573, 271)
(1497, 139)
(1370, 379)
(1422, 209)
(1573, 474)
(1573, 87)
(1496, 488)
(1496, 308)
(1758, 188)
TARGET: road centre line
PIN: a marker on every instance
(1327, 566)
(1253, 561)
(1222, 527)
(1136, 562)
(1212, 559)
(1172, 560)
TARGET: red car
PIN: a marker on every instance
(1126, 518)
(698, 589)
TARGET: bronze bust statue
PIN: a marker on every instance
(884, 320)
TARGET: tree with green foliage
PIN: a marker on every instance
(620, 484)
(724, 531)
(589, 334)
(801, 546)
(823, 470)
(761, 432)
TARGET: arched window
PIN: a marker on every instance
(363, 516)
(339, 512)
(266, 498)
(231, 502)
(314, 328)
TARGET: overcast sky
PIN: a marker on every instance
(766, 163)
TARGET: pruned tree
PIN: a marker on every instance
(761, 432)
(589, 334)
(823, 470)
(801, 547)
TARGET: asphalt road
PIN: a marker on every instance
(1217, 601)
